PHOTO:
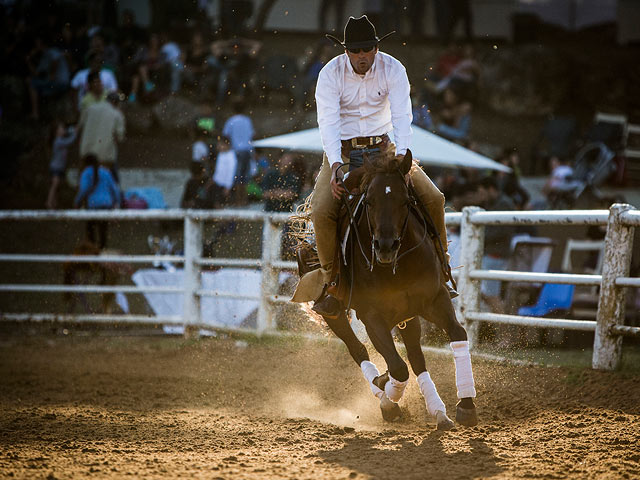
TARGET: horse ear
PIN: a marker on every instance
(405, 165)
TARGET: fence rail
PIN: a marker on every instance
(608, 327)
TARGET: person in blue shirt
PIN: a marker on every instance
(97, 190)
(239, 129)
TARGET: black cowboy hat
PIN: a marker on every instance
(359, 33)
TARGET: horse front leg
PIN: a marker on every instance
(342, 328)
(435, 405)
(395, 380)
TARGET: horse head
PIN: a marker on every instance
(387, 204)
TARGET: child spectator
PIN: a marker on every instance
(97, 190)
(200, 149)
(225, 173)
(197, 190)
(63, 139)
(96, 92)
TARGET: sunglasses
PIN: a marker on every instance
(358, 50)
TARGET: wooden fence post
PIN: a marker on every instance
(607, 346)
(472, 249)
(192, 253)
(271, 236)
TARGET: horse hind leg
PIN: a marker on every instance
(443, 315)
(435, 405)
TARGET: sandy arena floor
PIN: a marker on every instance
(157, 407)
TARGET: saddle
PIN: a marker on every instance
(340, 285)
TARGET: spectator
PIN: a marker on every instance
(560, 182)
(497, 242)
(172, 57)
(239, 130)
(224, 176)
(80, 81)
(197, 191)
(201, 148)
(311, 65)
(233, 15)
(96, 93)
(196, 66)
(232, 61)
(103, 127)
(281, 186)
(49, 74)
(453, 118)
(464, 77)
(63, 139)
(97, 190)
(150, 65)
(421, 112)
(445, 64)
(509, 182)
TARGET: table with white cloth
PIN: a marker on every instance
(214, 310)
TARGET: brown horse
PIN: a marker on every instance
(394, 275)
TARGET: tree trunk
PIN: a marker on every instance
(263, 13)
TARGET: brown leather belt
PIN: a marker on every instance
(358, 143)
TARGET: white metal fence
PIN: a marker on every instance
(609, 329)
(269, 263)
(620, 221)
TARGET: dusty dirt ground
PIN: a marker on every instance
(157, 407)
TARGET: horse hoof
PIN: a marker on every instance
(443, 422)
(466, 416)
(390, 411)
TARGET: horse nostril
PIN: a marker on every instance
(395, 245)
(376, 244)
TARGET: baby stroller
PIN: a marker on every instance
(594, 163)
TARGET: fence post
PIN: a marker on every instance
(192, 252)
(607, 346)
(471, 250)
(271, 235)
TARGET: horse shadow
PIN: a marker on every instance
(410, 455)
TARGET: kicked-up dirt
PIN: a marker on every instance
(221, 408)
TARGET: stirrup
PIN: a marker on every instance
(328, 306)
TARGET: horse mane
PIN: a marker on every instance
(377, 165)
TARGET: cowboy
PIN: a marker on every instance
(361, 96)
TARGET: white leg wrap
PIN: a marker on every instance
(464, 374)
(394, 389)
(430, 394)
(370, 372)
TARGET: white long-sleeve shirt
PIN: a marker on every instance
(226, 165)
(351, 105)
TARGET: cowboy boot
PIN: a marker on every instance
(328, 306)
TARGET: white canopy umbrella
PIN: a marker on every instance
(428, 148)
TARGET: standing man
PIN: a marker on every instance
(361, 96)
(239, 129)
(103, 127)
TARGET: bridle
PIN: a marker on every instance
(372, 261)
